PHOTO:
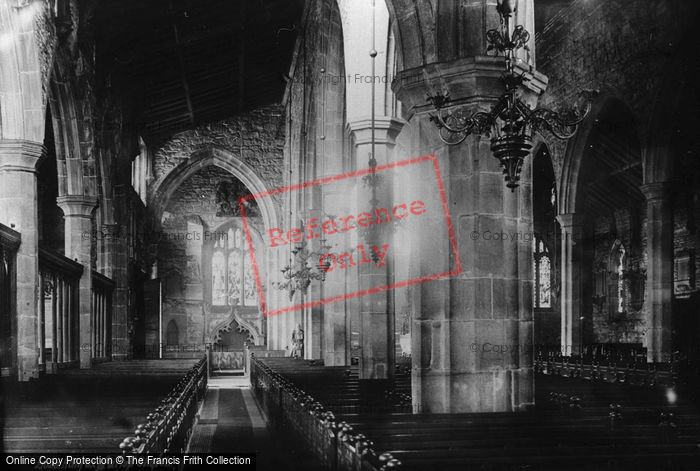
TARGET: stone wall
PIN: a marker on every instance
(624, 48)
(257, 138)
(686, 240)
(609, 326)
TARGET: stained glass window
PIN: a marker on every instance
(620, 269)
(235, 275)
(250, 297)
(553, 197)
(233, 282)
(616, 291)
(218, 278)
(543, 276)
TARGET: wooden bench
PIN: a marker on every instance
(329, 408)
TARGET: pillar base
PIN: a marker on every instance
(468, 392)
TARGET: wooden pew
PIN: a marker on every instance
(580, 425)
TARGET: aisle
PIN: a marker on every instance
(230, 422)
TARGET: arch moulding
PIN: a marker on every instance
(163, 189)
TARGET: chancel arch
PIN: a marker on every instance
(205, 257)
(163, 189)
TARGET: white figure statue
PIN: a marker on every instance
(298, 342)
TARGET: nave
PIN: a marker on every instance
(299, 414)
(192, 258)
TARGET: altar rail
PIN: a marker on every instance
(337, 445)
(168, 427)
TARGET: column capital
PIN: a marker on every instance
(656, 191)
(570, 220)
(19, 155)
(386, 129)
(469, 81)
(77, 205)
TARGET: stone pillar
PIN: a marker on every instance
(571, 282)
(472, 336)
(78, 212)
(123, 327)
(19, 210)
(117, 270)
(336, 202)
(376, 319)
(313, 317)
(659, 287)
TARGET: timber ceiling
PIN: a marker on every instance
(188, 62)
(614, 166)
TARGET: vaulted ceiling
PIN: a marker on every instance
(189, 62)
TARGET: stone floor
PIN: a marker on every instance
(231, 422)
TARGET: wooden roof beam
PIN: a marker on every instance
(183, 66)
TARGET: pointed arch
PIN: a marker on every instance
(577, 162)
(73, 131)
(163, 189)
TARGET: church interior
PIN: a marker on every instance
(352, 235)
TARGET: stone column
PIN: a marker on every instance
(571, 281)
(376, 318)
(659, 287)
(472, 336)
(123, 339)
(78, 212)
(19, 210)
(117, 268)
(313, 317)
(336, 202)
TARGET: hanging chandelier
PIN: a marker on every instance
(510, 123)
(304, 267)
